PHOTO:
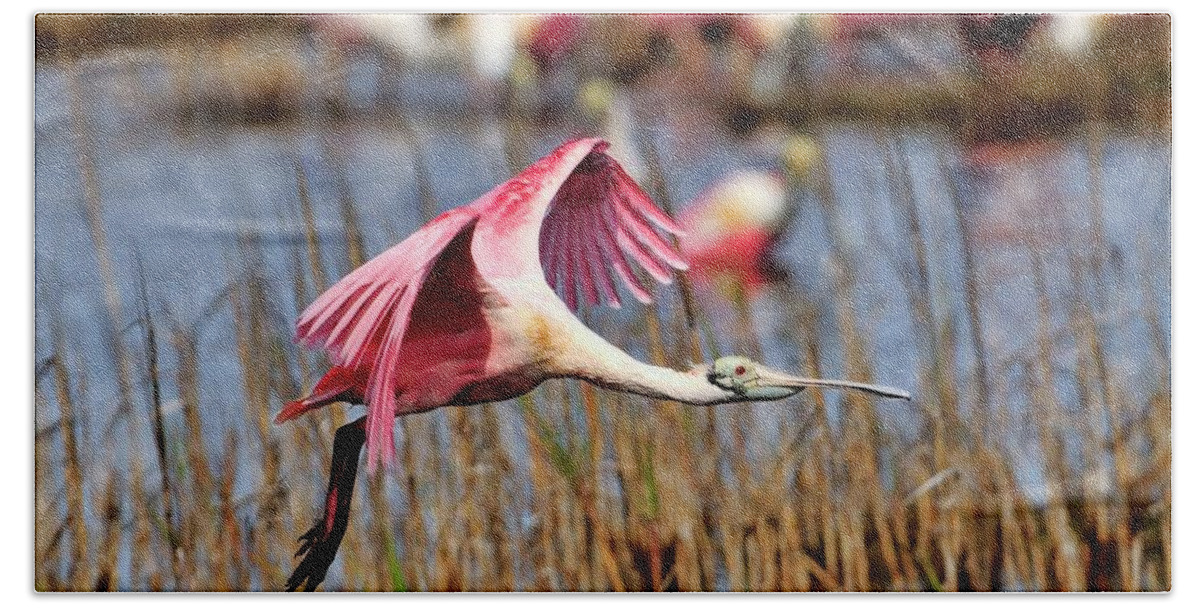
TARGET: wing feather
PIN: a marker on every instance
(601, 276)
(640, 254)
(628, 190)
(583, 261)
(572, 283)
(319, 328)
(368, 293)
(588, 220)
(361, 321)
(612, 252)
(654, 243)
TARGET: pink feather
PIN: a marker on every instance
(577, 214)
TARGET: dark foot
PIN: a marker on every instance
(319, 545)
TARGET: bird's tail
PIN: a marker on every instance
(340, 384)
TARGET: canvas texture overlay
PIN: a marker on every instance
(602, 302)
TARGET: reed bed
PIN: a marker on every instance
(571, 488)
(640, 496)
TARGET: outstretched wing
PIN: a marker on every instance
(578, 219)
(574, 217)
(361, 320)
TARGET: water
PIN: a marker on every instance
(181, 198)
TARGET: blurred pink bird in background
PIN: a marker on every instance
(464, 311)
(730, 230)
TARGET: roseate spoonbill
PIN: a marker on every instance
(463, 312)
(730, 229)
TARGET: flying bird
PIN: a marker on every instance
(464, 311)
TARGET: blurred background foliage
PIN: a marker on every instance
(973, 207)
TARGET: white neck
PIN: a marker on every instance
(589, 357)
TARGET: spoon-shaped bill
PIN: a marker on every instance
(775, 378)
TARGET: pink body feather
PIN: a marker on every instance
(455, 314)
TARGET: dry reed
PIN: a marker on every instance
(617, 492)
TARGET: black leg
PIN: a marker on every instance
(320, 544)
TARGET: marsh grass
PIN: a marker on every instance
(632, 499)
(615, 492)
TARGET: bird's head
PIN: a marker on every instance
(751, 380)
(747, 380)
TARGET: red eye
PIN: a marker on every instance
(741, 369)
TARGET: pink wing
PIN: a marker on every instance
(574, 217)
(578, 219)
(362, 319)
